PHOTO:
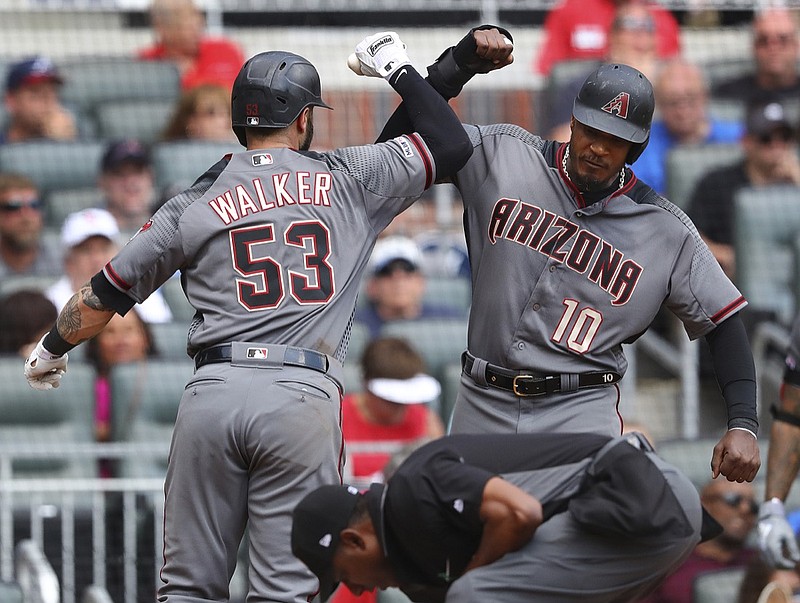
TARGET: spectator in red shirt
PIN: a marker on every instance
(578, 30)
(179, 27)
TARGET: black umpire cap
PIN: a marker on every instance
(317, 522)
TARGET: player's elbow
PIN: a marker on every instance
(453, 156)
(528, 517)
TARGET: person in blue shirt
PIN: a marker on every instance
(683, 119)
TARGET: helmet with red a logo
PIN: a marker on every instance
(618, 100)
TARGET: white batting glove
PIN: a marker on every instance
(44, 370)
(381, 54)
(776, 538)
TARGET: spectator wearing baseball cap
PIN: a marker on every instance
(395, 287)
(770, 158)
(90, 238)
(393, 407)
(127, 181)
(33, 105)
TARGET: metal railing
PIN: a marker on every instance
(33, 501)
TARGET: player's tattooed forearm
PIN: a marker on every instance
(89, 298)
(69, 319)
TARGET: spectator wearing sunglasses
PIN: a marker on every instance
(735, 508)
(23, 250)
(770, 158)
(395, 287)
(776, 51)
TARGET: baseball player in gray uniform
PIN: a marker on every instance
(508, 518)
(271, 244)
(777, 539)
(571, 257)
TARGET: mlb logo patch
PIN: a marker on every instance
(253, 121)
(257, 353)
(262, 159)
(405, 145)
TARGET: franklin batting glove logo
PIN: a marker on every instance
(618, 105)
(377, 45)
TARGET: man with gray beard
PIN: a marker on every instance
(23, 251)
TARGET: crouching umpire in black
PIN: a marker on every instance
(507, 518)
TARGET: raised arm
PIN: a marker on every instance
(384, 55)
(483, 49)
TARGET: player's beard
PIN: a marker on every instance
(588, 183)
(305, 144)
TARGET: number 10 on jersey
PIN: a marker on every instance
(578, 325)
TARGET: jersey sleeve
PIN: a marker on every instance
(393, 174)
(154, 253)
(701, 294)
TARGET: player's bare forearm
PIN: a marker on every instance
(510, 517)
(783, 460)
(83, 316)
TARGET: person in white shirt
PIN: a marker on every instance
(89, 240)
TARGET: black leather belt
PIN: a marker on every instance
(524, 384)
(293, 356)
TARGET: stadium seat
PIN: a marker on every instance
(766, 223)
(727, 110)
(182, 310)
(179, 164)
(352, 378)
(359, 338)
(143, 120)
(170, 339)
(91, 83)
(48, 418)
(54, 165)
(440, 341)
(454, 291)
(145, 397)
(718, 587)
(11, 592)
(722, 70)
(686, 165)
(11, 284)
(62, 202)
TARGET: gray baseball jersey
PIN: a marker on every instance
(271, 246)
(559, 284)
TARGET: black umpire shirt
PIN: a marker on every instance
(428, 514)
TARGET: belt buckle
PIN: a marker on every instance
(514, 385)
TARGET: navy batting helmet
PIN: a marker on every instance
(271, 90)
(618, 100)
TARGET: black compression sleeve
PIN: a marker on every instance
(735, 372)
(431, 117)
(110, 296)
